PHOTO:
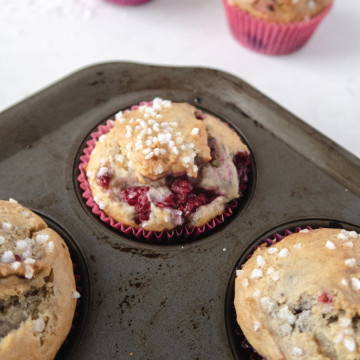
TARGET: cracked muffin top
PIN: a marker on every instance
(282, 11)
(300, 297)
(37, 286)
(166, 164)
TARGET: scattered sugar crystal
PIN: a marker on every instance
(159, 169)
(102, 171)
(256, 274)
(342, 236)
(162, 152)
(50, 246)
(286, 315)
(298, 246)
(26, 254)
(195, 168)
(13, 201)
(6, 225)
(7, 257)
(157, 151)
(349, 343)
(224, 249)
(2, 240)
(102, 138)
(353, 234)
(42, 238)
(39, 325)
(21, 244)
(146, 151)
(175, 151)
(275, 276)
(284, 253)
(344, 322)
(270, 270)
(355, 283)
(344, 282)
(297, 351)
(195, 131)
(75, 295)
(29, 261)
(338, 338)
(256, 326)
(304, 231)
(245, 283)
(239, 272)
(330, 245)
(349, 244)
(272, 250)
(149, 155)
(15, 265)
(29, 272)
(260, 261)
(267, 304)
(350, 262)
(256, 294)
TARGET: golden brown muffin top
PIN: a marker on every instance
(282, 11)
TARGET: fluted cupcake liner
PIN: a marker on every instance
(269, 37)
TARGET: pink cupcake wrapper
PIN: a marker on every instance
(267, 37)
(182, 233)
(129, 2)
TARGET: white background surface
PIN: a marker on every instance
(44, 40)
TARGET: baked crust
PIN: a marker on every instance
(300, 298)
(128, 153)
(37, 293)
(282, 11)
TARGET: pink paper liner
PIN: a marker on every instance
(268, 37)
(128, 2)
(180, 234)
(266, 242)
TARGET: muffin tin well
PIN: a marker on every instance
(179, 235)
(153, 301)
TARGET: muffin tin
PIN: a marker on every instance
(148, 301)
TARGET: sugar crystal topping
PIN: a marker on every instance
(168, 134)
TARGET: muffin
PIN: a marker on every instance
(275, 26)
(37, 286)
(300, 297)
(164, 165)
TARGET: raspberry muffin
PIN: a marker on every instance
(275, 26)
(163, 165)
(37, 286)
(300, 297)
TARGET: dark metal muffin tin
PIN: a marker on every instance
(143, 301)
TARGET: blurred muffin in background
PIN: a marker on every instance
(275, 26)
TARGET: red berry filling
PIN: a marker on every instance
(17, 257)
(325, 298)
(136, 196)
(103, 180)
(186, 197)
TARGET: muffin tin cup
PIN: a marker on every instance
(181, 234)
(268, 37)
(138, 291)
(242, 349)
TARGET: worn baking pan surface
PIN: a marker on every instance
(149, 301)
